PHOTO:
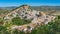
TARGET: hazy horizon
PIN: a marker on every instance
(31, 6)
(8, 3)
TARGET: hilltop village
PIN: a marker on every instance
(25, 12)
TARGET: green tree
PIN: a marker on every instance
(19, 21)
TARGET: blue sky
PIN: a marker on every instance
(6, 3)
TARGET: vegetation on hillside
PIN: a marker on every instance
(50, 28)
(19, 21)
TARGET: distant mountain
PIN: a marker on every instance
(45, 8)
(8, 8)
(36, 7)
(40, 8)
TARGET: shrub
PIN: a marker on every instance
(3, 30)
(19, 21)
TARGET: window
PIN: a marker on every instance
(37, 15)
(26, 13)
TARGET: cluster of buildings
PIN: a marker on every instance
(34, 23)
(37, 17)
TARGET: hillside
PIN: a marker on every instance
(26, 20)
(56, 9)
